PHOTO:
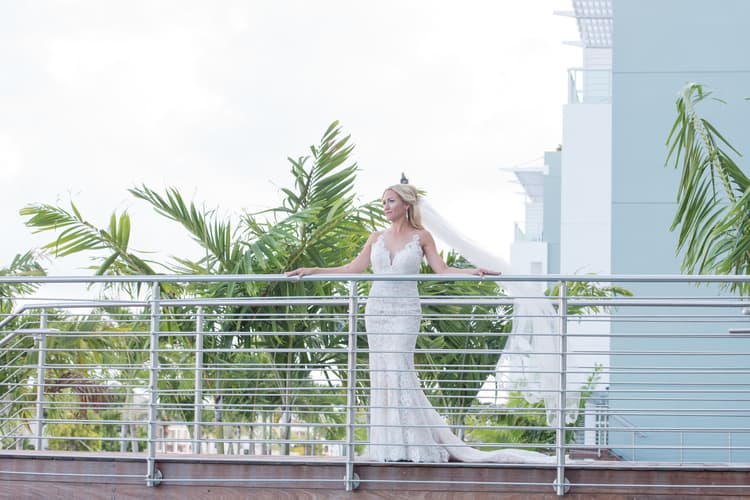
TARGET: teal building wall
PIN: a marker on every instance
(658, 47)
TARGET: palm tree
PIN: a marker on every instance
(713, 199)
(79, 235)
(318, 222)
(26, 264)
(17, 354)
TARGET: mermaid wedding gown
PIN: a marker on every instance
(403, 424)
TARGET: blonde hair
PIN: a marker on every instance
(410, 196)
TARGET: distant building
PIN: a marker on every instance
(615, 201)
(529, 251)
(568, 210)
(658, 47)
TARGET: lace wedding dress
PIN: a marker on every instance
(403, 424)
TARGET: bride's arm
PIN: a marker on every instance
(360, 263)
(437, 263)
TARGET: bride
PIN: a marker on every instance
(403, 424)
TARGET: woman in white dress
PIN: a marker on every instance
(403, 424)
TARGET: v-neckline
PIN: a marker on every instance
(392, 255)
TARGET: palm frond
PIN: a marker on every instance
(318, 223)
(711, 202)
(26, 264)
(214, 235)
(79, 235)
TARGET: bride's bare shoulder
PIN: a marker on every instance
(374, 236)
(424, 235)
(426, 241)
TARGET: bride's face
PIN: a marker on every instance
(393, 206)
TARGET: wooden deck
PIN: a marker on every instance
(120, 476)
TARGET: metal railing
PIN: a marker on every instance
(664, 375)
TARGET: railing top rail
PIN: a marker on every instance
(228, 278)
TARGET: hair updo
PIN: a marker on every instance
(410, 196)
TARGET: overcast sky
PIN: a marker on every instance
(211, 97)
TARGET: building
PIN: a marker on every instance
(568, 218)
(617, 202)
(658, 47)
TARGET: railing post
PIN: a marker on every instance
(561, 484)
(153, 476)
(198, 402)
(351, 479)
(41, 339)
(729, 446)
(682, 447)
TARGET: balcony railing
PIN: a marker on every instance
(664, 375)
(589, 85)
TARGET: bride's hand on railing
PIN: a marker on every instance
(482, 272)
(300, 272)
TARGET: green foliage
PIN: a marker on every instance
(318, 222)
(516, 422)
(26, 264)
(587, 289)
(79, 235)
(521, 422)
(77, 437)
(713, 197)
(223, 251)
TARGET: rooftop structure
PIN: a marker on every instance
(595, 20)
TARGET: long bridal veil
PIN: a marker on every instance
(531, 361)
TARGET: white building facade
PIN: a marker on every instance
(569, 215)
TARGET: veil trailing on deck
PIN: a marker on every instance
(530, 362)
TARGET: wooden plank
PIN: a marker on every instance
(73, 475)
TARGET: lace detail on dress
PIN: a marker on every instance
(406, 260)
(399, 420)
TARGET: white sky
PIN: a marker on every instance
(211, 97)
